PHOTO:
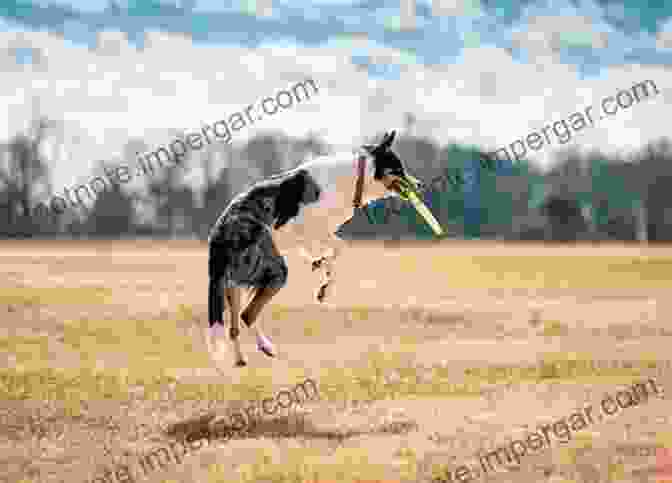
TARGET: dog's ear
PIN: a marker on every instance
(387, 140)
(384, 140)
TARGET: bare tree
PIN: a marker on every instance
(653, 179)
(26, 171)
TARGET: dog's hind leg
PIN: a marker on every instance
(273, 277)
(261, 298)
(233, 299)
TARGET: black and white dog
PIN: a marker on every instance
(243, 253)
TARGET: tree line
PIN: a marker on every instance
(581, 197)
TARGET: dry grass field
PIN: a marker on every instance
(103, 360)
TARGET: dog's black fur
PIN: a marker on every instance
(295, 192)
(291, 191)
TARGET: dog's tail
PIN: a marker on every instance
(218, 259)
(215, 302)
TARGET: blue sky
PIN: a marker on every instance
(631, 25)
(473, 71)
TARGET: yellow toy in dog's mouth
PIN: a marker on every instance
(407, 185)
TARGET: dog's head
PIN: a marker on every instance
(384, 145)
(382, 158)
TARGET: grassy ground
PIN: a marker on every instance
(103, 359)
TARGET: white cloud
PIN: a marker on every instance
(543, 35)
(664, 39)
(322, 2)
(469, 8)
(486, 98)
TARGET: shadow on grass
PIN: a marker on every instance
(282, 426)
